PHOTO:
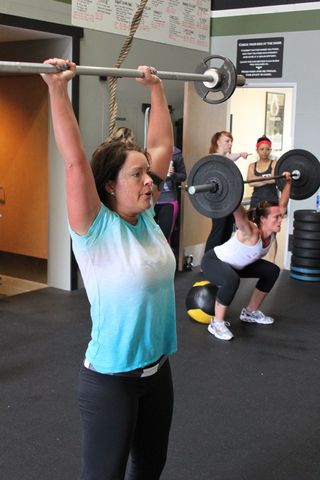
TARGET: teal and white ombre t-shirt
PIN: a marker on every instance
(128, 272)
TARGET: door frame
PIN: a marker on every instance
(284, 260)
(62, 268)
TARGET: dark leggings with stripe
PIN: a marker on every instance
(227, 278)
(121, 416)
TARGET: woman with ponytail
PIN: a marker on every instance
(241, 257)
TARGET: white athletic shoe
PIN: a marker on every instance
(255, 316)
(220, 329)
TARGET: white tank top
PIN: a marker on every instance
(238, 254)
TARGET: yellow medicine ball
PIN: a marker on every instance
(200, 301)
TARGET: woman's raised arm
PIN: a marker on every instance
(83, 202)
(160, 134)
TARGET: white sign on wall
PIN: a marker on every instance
(184, 23)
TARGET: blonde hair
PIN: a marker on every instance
(122, 134)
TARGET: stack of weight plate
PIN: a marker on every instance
(305, 259)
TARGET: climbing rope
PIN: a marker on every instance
(112, 81)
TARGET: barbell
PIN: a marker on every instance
(215, 78)
(215, 184)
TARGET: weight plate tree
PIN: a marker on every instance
(305, 259)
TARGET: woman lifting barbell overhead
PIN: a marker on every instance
(241, 257)
(125, 384)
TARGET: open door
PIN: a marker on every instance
(249, 111)
(200, 121)
(24, 166)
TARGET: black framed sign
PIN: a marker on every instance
(223, 5)
(260, 57)
(274, 118)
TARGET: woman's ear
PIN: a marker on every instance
(109, 186)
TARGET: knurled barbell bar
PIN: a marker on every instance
(216, 75)
(215, 183)
(213, 186)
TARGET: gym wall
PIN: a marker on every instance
(301, 32)
(96, 48)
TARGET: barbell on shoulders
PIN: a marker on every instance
(215, 184)
(215, 77)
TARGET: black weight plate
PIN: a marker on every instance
(313, 271)
(306, 235)
(308, 166)
(302, 243)
(227, 79)
(307, 216)
(304, 277)
(305, 262)
(306, 253)
(227, 176)
(308, 226)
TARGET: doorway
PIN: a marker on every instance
(23, 183)
(249, 119)
(26, 40)
(245, 115)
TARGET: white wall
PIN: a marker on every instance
(48, 11)
(250, 103)
(102, 49)
(247, 107)
(130, 96)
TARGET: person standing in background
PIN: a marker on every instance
(222, 228)
(167, 207)
(262, 169)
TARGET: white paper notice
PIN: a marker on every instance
(184, 23)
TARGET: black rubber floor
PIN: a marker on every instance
(248, 409)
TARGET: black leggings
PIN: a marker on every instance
(227, 278)
(166, 216)
(122, 415)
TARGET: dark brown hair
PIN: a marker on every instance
(261, 210)
(106, 163)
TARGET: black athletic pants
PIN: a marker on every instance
(165, 216)
(125, 415)
(227, 278)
